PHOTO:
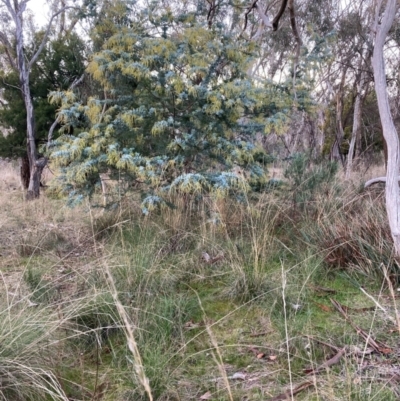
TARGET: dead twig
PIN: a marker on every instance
(287, 395)
(263, 333)
(330, 362)
(337, 349)
(378, 346)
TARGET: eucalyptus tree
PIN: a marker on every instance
(355, 62)
(14, 18)
(383, 20)
(60, 64)
(295, 54)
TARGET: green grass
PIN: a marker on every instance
(259, 311)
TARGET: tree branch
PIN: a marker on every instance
(211, 12)
(46, 36)
(376, 180)
(275, 22)
(295, 31)
(13, 12)
(8, 49)
(264, 17)
(249, 9)
(11, 86)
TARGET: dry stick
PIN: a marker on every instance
(318, 288)
(367, 343)
(332, 361)
(133, 347)
(264, 333)
(337, 349)
(290, 393)
(378, 305)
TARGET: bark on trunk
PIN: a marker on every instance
(336, 153)
(34, 181)
(25, 172)
(356, 132)
(389, 130)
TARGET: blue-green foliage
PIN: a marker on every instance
(178, 112)
(306, 179)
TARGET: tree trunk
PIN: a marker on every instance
(23, 70)
(25, 172)
(335, 150)
(389, 130)
(34, 181)
(356, 132)
(14, 10)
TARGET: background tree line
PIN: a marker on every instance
(177, 95)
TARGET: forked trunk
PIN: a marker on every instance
(36, 166)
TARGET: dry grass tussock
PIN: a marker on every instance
(43, 232)
(8, 179)
(364, 172)
(351, 230)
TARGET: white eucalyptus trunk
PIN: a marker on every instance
(16, 11)
(389, 130)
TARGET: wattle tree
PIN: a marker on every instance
(178, 111)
